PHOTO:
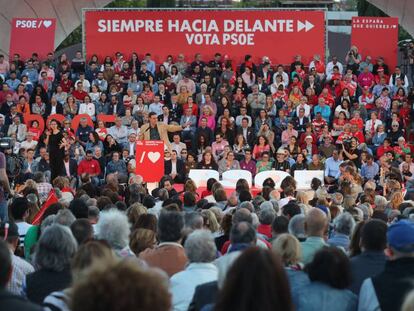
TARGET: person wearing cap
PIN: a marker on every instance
(387, 290)
(380, 66)
(9, 232)
(309, 145)
(281, 164)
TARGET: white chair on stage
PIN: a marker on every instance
(231, 177)
(200, 177)
(304, 178)
(277, 177)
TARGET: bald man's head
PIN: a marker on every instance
(315, 222)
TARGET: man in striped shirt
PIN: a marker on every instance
(21, 268)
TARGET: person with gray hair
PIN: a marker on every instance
(242, 236)
(201, 251)
(193, 221)
(343, 227)
(53, 254)
(246, 205)
(296, 227)
(266, 216)
(113, 227)
(64, 217)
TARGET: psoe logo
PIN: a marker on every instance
(32, 23)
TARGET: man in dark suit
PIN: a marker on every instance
(176, 110)
(166, 117)
(205, 131)
(71, 169)
(115, 108)
(300, 121)
(247, 132)
(263, 86)
(175, 168)
(372, 259)
(266, 72)
(58, 108)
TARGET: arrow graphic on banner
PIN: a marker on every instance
(306, 25)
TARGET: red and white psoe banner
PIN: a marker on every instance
(279, 35)
(149, 159)
(30, 35)
(376, 36)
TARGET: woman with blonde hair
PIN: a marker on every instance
(288, 248)
(303, 200)
(210, 221)
(134, 212)
(141, 239)
(396, 198)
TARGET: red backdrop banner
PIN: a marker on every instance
(366, 31)
(30, 35)
(277, 34)
(149, 159)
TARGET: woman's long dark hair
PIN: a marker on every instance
(256, 281)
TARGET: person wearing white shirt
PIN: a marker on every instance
(156, 106)
(177, 145)
(29, 143)
(119, 132)
(398, 74)
(243, 114)
(331, 64)
(87, 107)
(285, 77)
(86, 86)
(201, 252)
(372, 124)
(132, 140)
(303, 104)
(134, 128)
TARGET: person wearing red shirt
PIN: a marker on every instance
(367, 98)
(384, 148)
(79, 93)
(357, 120)
(90, 166)
(66, 84)
(318, 123)
(357, 133)
(349, 84)
(381, 74)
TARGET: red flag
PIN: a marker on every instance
(52, 198)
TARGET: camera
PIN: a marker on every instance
(6, 143)
(347, 144)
